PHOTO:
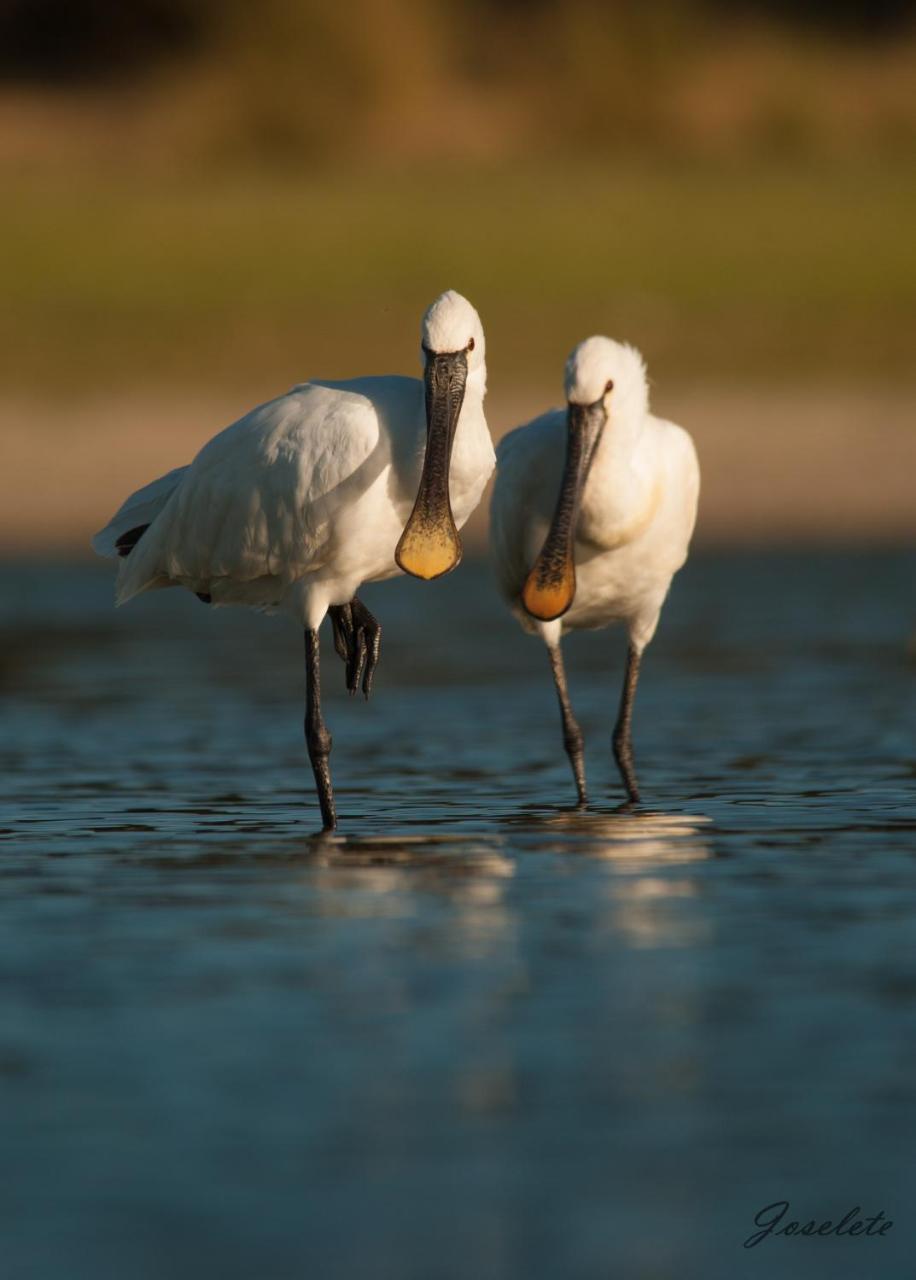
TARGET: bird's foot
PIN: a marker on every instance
(632, 790)
(628, 777)
(358, 641)
(632, 799)
(623, 754)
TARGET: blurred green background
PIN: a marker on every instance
(220, 199)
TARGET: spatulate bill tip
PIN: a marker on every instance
(547, 600)
(428, 553)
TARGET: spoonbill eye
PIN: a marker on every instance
(470, 344)
(610, 386)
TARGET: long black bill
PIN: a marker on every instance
(550, 587)
(430, 545)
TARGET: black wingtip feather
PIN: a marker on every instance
(127, 541)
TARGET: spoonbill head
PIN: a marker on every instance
(606, 390)
(592, 513)
(452, 345)
(307, 497)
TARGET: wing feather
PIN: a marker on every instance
(259, 499)
(141, 508)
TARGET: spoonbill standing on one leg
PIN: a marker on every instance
(607, 547)
(332, 485)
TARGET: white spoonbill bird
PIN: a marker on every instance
(305, 498)
(606, 546)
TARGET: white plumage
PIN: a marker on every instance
(305, 498)
(630, 485)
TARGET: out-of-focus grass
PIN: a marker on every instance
(716, 273)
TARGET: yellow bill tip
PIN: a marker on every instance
(428, 553)
(551, 599)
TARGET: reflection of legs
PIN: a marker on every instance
(317, 738)
(622, 740)
(358, 641)
(572, 734)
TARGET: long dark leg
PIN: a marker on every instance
(358, 641)
(317, 738)
(572, 734)
(622, 740)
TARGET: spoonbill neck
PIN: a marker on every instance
(621, 490)
(476, 385)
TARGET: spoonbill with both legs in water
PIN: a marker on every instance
(307, 497)
(606, 548)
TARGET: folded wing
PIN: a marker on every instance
(256, 507)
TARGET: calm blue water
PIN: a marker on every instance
(477, 1035)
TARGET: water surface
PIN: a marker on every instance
(478, 1034)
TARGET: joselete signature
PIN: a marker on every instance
(770, 1220)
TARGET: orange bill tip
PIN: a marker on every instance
(549, 599)
(428, 551)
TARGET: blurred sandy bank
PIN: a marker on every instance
(789, 465)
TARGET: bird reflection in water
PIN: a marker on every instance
(467, 866)
(648, 905)
(397, 875)
(621, 835)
